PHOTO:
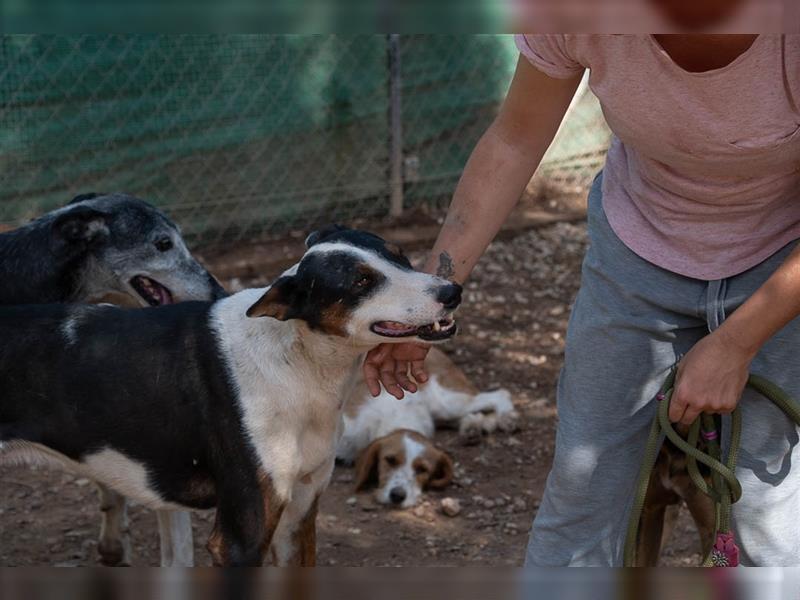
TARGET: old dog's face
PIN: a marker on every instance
(131, 249)
(353, 284)
(401, 466)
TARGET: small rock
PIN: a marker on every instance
(488, 504)
(451, 507)
(419, 511)
(354, 531)
(82, 482)
(352, 501)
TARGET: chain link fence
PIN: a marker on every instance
(246, 136)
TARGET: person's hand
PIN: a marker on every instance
(389, 364)
(710, 378)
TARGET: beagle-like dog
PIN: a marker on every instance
(391, 441)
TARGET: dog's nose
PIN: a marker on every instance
(449, 295)
(397, 495)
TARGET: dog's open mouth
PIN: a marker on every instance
(440, 330)
(153, 292)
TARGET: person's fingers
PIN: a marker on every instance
(690, 415)
(371, 367)
(401, 373)
(418, 371)
(677, 406)
(372, 379)
(388, 379)
(726, 402)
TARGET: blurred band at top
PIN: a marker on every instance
(400, 16)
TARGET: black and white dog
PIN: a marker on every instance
(108, 248)
(234, 404)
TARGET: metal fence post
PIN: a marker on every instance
(395, 127)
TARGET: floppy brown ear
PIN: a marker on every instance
(367, 466)
(443, 474)
(276, 301)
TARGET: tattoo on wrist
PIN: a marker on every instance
(445, 270)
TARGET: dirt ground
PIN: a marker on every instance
(512, 335)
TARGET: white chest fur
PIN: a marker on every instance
(288, 381)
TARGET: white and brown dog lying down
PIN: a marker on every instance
(390, 440)
(234, 404)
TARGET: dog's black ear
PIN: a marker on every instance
(367, 466)
(81, 225)
(82, 197)
(315, 237)
(276, 301)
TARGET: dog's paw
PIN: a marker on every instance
(508, 422)
(114, 552)
(470, 429)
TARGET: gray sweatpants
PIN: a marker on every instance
(630, 323)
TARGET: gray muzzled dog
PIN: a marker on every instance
(99, 246)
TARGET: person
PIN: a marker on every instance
(693, 227)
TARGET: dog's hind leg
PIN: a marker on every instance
(651, 534)
(701, 508)
(114, 545)
(486, 413)
(177, 542)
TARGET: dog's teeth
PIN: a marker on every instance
(436, 326)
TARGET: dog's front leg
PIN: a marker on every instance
(114, 545)
(246, 520)
(295, 541)
(175, 533)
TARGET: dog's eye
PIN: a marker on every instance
(163, 244)
(420, 469)
(391, 461)
(363, 281)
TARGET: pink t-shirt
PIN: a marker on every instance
(703, 173)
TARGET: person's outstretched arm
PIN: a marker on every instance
(496, 174)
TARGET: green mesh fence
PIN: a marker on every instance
(241, 136)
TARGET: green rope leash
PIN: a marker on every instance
(725, 489)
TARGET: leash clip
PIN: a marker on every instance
(725, 552)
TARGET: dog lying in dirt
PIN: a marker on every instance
(108, 248)
(391, 441)
(234, 404)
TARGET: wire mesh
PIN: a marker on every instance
(245, 136)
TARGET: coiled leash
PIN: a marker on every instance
(724, 489)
